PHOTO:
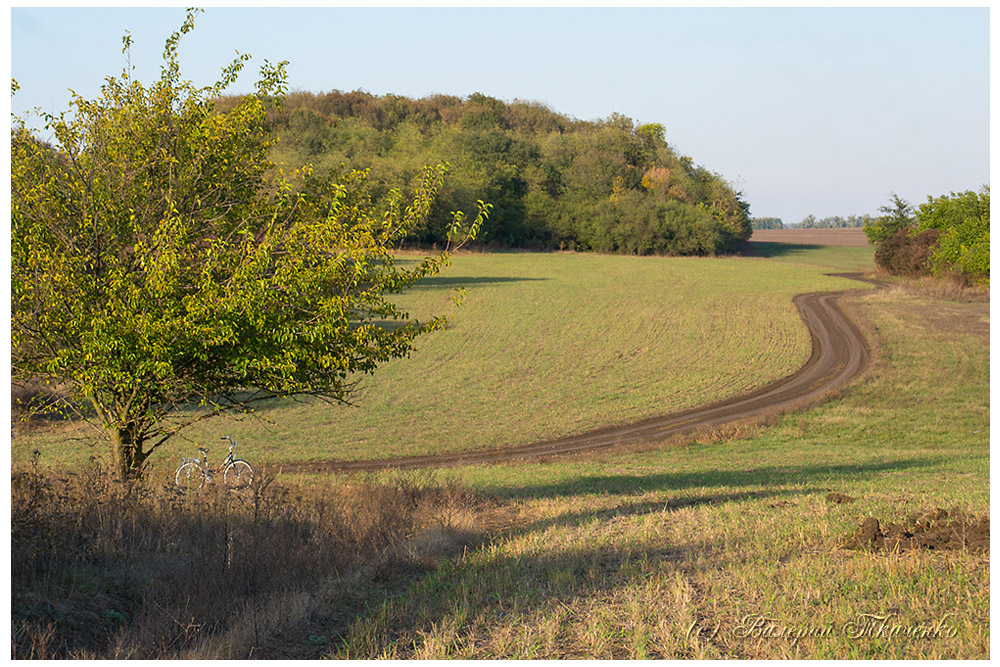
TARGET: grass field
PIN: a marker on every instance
(723, 547)
(682, 552)
(545, 345)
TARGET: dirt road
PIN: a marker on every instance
(839, 354)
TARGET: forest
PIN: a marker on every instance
(554, 182)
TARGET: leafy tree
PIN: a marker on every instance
(963, 220)
(159, 261)
(896, 215)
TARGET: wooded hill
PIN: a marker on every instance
(554, 182)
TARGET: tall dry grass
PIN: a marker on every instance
(105, 570)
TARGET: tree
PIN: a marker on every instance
(895, 216)
(159, 261)
(963, 220)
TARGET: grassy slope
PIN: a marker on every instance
(622, 557)
(545, 345)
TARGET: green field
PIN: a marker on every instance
(668, 553)
(544, 345)
(722, 547)
(837, 258)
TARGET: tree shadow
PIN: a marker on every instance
(765, 476)
(513, 583)
(447, 282)
(575, 519)
(770, 249)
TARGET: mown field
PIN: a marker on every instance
(544, 345)
(731, 548)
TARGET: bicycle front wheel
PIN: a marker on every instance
(238, 474)
(190, 476)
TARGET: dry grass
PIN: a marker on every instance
(102, 570)
(949, 288)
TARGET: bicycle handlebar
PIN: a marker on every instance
(232, 442)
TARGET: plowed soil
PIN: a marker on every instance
(840, 353)
(851, 236)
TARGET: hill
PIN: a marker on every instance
(555, 182)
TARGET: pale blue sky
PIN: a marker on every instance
(822, 111)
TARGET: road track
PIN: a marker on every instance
(840, 353)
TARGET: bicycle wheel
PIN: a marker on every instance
(238, 474)
(190, 476)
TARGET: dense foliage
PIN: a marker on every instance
(766, 223)
(159, 260)
(833, 222)
(555, 182)
(896, 215)
(963, 221)
(946, 235)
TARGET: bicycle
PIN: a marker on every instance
(195, 473)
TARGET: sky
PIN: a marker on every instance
(805, 110)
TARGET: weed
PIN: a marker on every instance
(106, 570)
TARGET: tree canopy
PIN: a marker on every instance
(610, 185)
(160, 260)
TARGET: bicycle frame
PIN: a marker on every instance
(202, 463)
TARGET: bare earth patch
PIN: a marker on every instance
(852, 236)
(934, 531)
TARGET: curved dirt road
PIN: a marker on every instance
(839, 354)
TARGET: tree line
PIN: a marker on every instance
(766, 223)
(554, 182)
(833, 222)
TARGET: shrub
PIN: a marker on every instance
(963, 221)
(907, 252)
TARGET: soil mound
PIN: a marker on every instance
(936, 530)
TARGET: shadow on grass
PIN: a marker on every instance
(512, 585)
(770, 250)
(574, 519)
(446, 282)
(485, 592)
(767, 476)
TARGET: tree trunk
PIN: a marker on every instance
(127, 450)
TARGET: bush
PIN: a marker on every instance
(907, 252)
(963, 221)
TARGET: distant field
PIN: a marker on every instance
(545, 345)
(853, 236)
(806, 247)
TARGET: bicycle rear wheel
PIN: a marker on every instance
(190, 476)
(238, 474)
